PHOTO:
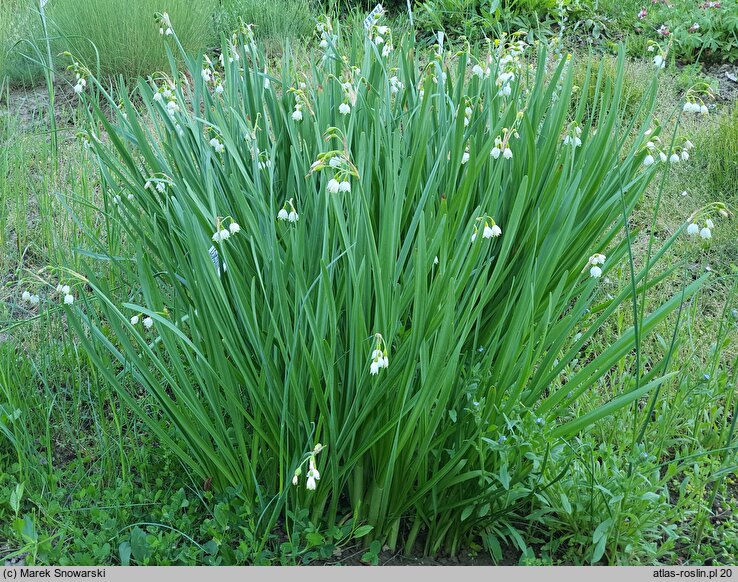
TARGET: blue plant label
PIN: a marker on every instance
(373, 16)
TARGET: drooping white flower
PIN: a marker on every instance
(465, 157)
(333, 186)
(344, 186)
(234, 227)
(648, 160)
(224, 234)
(335, 162)
(693, 229)
(507, 153)
(658, 60)
(674, 158)
(487, 232)
(310, 483)
(344, 109)
(374, 367)
(703, 109)
(161, 186)
(496, 230)
(706, 233)
(297, 115)
(685, 155)
(148, 322)
(26, 296)
(34, 299)
(663, 157)
(293, 216)
(495, 153)
(134, 320)
(435, 260)
(595, 272)
(216, 145)
(68, 299)
(710, 224)
(282, 214)
(65, 289)
(478, 71)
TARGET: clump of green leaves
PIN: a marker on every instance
(356, 292)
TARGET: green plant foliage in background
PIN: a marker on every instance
(120, 37)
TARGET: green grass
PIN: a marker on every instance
(122, 38)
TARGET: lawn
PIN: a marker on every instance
(291, 283)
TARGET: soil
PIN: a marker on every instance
(727, 77)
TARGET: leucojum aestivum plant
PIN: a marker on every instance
(353, 290)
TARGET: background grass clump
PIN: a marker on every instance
(121, 38)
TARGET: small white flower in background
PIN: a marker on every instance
(378, 40)
(161, 186)
(382, 29)
(134, 320)
(465, 156)
(234, 227)
(68, 299)
(710, 223)
(297, 115)
(130, 197)
(594, 262)
(648, 160)
(396, 85)
(507, 153)
(26, 296)
(663, 156)
(659, 61)
(310, 482)
(344, 186)
(495, 153)
(379, 355)
(688, 144)
(219, 88)
(704, 110)
(706, 233)
(693, 229)
(685, 155)
(148, 322)
(435, 260)
(34, 299)
(490, 229)
(344, 109)
(65, 290)
(674, 158)
(478, 71)
(335, 162)
(333, 186)
(290, 215)
(217, 146)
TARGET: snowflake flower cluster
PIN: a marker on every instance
(221, 233)
(165, 24)
(313, 475)
(594, 263)
(289, 215)
(490, 229)
(379, 358)
(573, 135)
